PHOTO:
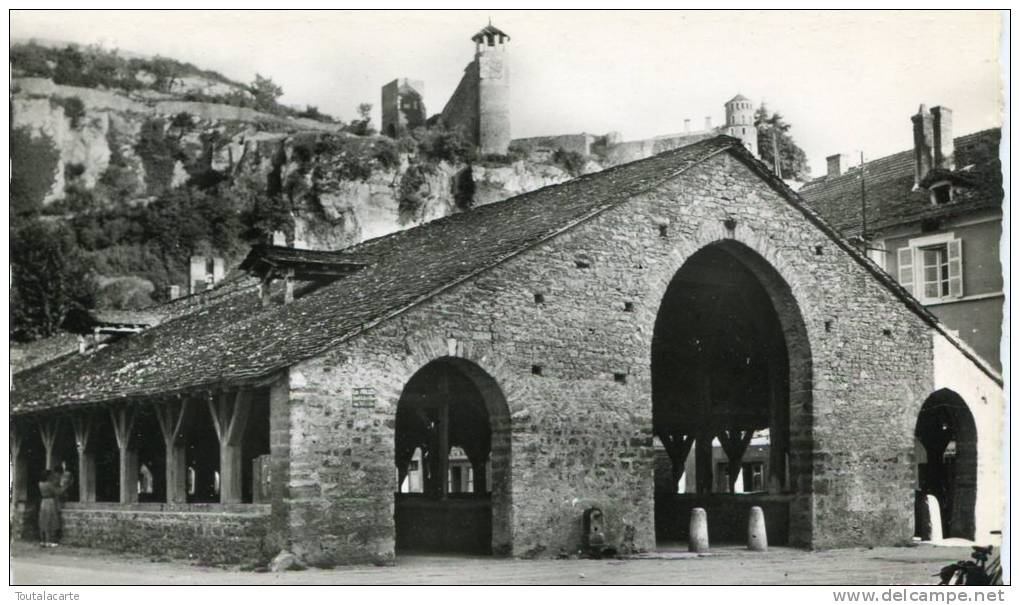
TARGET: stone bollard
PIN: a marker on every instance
(934, 517)
(757, 539)
(698, 540)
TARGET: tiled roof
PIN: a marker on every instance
(889, 184)
(233, 340)
(489, 30)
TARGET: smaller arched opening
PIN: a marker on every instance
(946, 451)
(452, 461)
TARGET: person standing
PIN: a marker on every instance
(52, 490)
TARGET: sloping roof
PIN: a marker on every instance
(737, 98)
(234, 340)
(489, 30)
(889, 188)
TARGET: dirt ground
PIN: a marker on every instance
(31, 565)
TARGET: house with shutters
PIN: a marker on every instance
(931, 216)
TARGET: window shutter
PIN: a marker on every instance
(955, 248)
(905, 262)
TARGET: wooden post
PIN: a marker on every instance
(49, 431)
(734, 443)
(230, 417)
(86, 458)
(123, 423)
(288, 287)
(19, 466)
(171, 417)
(678, 447)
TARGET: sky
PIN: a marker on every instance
(846, 81)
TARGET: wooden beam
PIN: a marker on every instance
(48, 432)
(734, 442)
(171, 417)
(230, 418)
(82, 424)
(19, 465)
(123, 424)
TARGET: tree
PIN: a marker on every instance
(773, 132)
(50, 278)
(363, 125)
(266, 92)
(34, 163)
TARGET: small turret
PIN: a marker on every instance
(740, 122)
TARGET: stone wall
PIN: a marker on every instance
(575, 373)
(213, 533)
(579, 143)
(461, 111)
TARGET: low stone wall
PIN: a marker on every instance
(214, 533)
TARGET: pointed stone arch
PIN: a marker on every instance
(785, 290)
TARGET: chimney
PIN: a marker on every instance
(196, 281)
(942, 125)
(217, 271)
(836, 165)
(708, 122)
(687, 125)
(923, 142)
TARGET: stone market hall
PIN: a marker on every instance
(477, 383)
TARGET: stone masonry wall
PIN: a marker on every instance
(208, 533)
(582, 429)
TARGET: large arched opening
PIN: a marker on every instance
(946, 452)
(731, 394)
(452, 459)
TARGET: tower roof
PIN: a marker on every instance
(737, 98)
(489, 30)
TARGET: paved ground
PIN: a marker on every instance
(725, 565)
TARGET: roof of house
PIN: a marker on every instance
(889, 188)
(233, 340)
(489, 30)
(737, 98)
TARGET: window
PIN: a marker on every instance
(754, 477)
(931, 267)
(941, 193)
(935, 271)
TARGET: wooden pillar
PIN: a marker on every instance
(703, 446)
(48, 432)
(19, 465)
(86, 458)
(123, 423)
(288, 287)
(171, 415)
(778, 428)
(230, 417)
(734, 443)
(444, 448)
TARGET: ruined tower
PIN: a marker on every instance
(480, 107)
(740, 122)
(403, 106)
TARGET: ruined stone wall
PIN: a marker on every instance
(579, 143)
(575, 371)
(461, 111)
(213, 533)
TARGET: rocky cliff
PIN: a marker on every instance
(88, 152)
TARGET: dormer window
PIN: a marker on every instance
(941, 193)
